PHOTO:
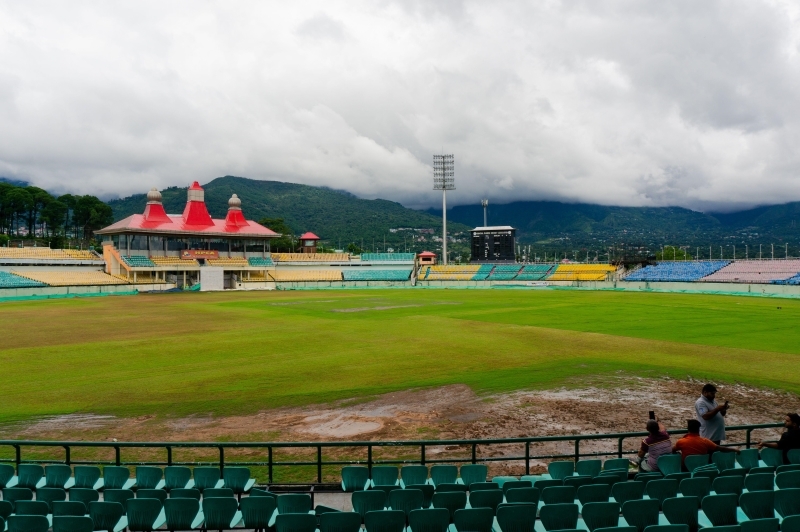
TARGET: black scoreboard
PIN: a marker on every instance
(493, 244)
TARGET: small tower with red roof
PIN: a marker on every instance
(308, 242)
(426, 258)
(196, 212)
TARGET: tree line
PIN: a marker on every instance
(34, 213)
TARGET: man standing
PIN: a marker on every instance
(789, 439)
(711, 415)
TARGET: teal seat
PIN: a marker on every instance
(237, 479)
(88, 477)
(736, 472)
(617, 529)
(450, 487)
(144, 515)
(720, 510)
(791, 524)
(608, 480)
(561, 470)
(707, 473)
(13, 495)
(117, 477)
(161, 495)
(148, 477)
(552, 516)
(623, 492)
(384, 476)
(256, 492)
(789, 479)
(758, 504)
(517, 517)
(578, 481)
(339, 522)
(222, 513)
(84, 495)
(696, 460)
(728, 528)
(444, 474)
(787, 502)
(761, 525)
(723, 461)
(427, 492)
(662, 489)
(72, 523)
(293, 503)
(406, 500)
(413, 474)
(27, 523)
(69, 508)
(368, 501)
(529, 495)
(588, 468)
(728, 485)
(540, 484)
(695, 487)
(58, 476)
(429, 520)
(641, 513)
(185, 493)
(31, 508)
(206, 477)
(182, 514)
(29, 476)
(385, 521)
(218, 492)
(387, 489)
(50, 495)
(501, 480)
(600, 515)
(759, 482)
(258, 512)
(471, 473)
(7, 477)
(647, 477)
(771, 457)
(594, 493)
(747, 458)
(682, 511)
(794, 456)
(761, 470)
(678, 476)
(355, 478)
(108, 516)
(486, 499)
(619, 474)
(473, 520)
(667, 528)
(558, 495)
(622, 464)
(481, 486)
(6, 509)
(295, 523)
(118, 495)
(176, 477)
(450, 501)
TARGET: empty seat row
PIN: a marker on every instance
(310, 257)
(10, 280)
(376, 275)
(265, 262)
(138, 261)
(677, 271)
(47, 253)
(387, 257)
(305, 275)
(67, 278)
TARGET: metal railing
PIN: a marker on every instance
(319, 462)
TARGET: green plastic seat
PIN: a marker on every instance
(561, 470)
(695, 487)
(710, 474)
(552, 516)
(608, 480)
(256, 492)
(678, 476)
(72, 523)
(185, 493)
(429, 520)
(27, 523)
(87, 477)
(176, 477)
(7, 476)
(733, 472)
(257, 512)
(159, 494)
(613, 464)
(794, 456)
(539, 484)
(117, 477)
(557, 495)
(791, 524)
(725, 485)
(694, 461)
(600, 515)
(368, 501)
(84, 495)
(617, 529)
(449, 487)
(221, 513)
(501, 480)
(218, 492)
(339, 522)
(427, 492)
(723, 461)
(647, 477)
(294, 522)
(50, 495)
(405, 500)
(444, 474)
(29, 475)
(69, 508)
(182, 513)
(662, 489)
(720, 510)
(728, 528)
(473, 520)
(771, 457)
(107, 516)
(667, 528)
(682, 511)
(355, 478)
(619, 474)
(529, 495)
(143, 514)
(747, 458)
(413, 474)
(486, 499)
(206, 477)
(237, 479)
(450, 501)
(148, 477)
(789, 479)
(588, 468)
(118, 495)
(58, 476)
(386, 489)
(517, 517)
(481, 486)
(6, 509)
(770, 470)
(787, 502)
(31, 508)
(385, 476)
(669, 463)
(471, 473)
(761, 525)
(578, 481)
(294, 503)
(759, 482)
(623, 492)
(641, 513)
(385, 521)
(13, 495)
(758, 504)
(594, 493)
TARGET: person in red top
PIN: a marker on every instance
(693, 443)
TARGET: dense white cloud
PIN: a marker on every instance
(636, 103)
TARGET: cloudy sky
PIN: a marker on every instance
(621, 102)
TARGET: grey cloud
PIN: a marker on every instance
(321, 26)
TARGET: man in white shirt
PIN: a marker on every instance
(711, 415)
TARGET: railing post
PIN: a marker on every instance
(748, 437)
(169, 455)
(422, 454)
(269, 463)
(619, 447)
(474, 453)
(67, 458)
(221, 459)
(369, 460)
(18, 455)
(577, 449)
(319, 464)
(527, 458)
(116, 455)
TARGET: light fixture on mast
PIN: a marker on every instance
(444, 180)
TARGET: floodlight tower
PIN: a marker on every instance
(484, 204)
(444, 180)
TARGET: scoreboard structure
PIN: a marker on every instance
(493, 244)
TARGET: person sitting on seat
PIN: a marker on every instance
(657, 443)
(693, 443)
(789, 439)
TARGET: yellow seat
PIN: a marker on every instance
(305, 275)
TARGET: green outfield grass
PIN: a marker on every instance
(181, 354)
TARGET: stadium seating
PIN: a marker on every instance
(376, 275)
(483, 272)
(265, 262)
(141, 278)
(228, 261)
(80, 254)
(9, 280)
(47, 254)
(310, 257)
(505, 272)
(387, 257)
(582, 272)
(677, 271)
(136, 261)
(67, 278)
(450, 273)
(755, 271)
(534, 272)
(305, 275)
(255, 277)
(173, 261)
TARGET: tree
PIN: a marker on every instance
(19, 201)
(69, 200)
(39, 198)
(285, 242)
(54, 215)
(353, 249)
(91, 214)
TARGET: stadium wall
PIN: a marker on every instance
(45, 292)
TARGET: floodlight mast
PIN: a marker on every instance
(444, 180)
(484, 204)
